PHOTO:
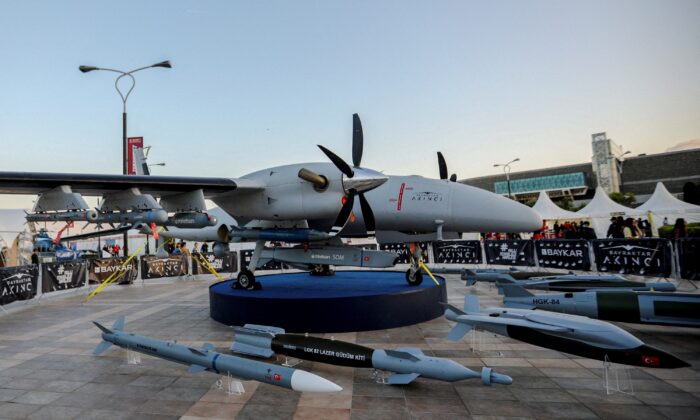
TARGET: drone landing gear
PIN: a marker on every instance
(246, 277)
(322, 270)
(414, 275)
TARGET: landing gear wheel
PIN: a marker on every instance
(414, 278)
(246, 279)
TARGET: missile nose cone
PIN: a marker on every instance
(656, 358)
(303, 381)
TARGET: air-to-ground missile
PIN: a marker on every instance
(191, 220)
(208, 359)
(679, 309)
(575, 282)
(406, 363)
(572, 334)
(63, 216)
(157, 216)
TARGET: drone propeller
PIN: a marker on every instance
(357, 180)
(443, 168)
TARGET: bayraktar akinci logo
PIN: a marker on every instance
(630, 255)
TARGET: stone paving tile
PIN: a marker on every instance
(12, 410)
(560, 411)
(370, 414)
(667, 398)
(501, 409)
(436, 405)
(311, 413)
(10, 394)
(623, 412)
(214, 410)
(679, 413)
(266, 411)
(55, 413)
(171, 408)
(542, 395)
(38, 397)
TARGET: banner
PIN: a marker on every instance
(633, 256)
(402, 251)
(132, 143)
(247, 254)
(689, 258)
(62, 276)
(225, 264)
(510, 252)
(155, 267)
(457, 252)
(569, 254)
(101, 269)
(18, 283)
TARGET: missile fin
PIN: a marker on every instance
(104, 345)
(195, 351)
(401, 355)
(515, 290)
(251, 350)
(413, 350)
(471, 303)
(196, 369)
(104, 330)
(118, 323)
(459, 331)
(402, 378)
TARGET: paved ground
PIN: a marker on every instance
(47, 370)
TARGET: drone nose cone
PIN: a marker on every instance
(364, 180)
(477, 210)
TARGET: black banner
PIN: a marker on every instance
(510, 252)
(18, 283)
(225, 264)
(633, 256)
(101, 269)
(247, 254)
(155, 267)
(402, 251)
(457, 252)
(62, 275)
(689, 258)
(569, 254)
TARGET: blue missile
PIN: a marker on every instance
(206, 358)
(407, 364)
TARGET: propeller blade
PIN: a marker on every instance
(338, 162)
(367, 214)
(453, 178)
(344, 214)
(442, 165)
(357, 140)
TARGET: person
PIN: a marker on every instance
(116, 250)
(176, 250)
(628, 228)
(205, 247)
(680, 229)
(665, 222)
(35, 257)
(587, 232)
(195, 248)
(612, 229)
(636, 231)
(557, 228)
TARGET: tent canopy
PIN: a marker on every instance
(663, 201)
(602, 206)
(12, 223)
(550, 211)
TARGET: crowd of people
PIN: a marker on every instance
(109, 251)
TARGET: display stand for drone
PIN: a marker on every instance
(379, 376)
(291, 361)
(233, 387)
(477, 344)
(616, 378)
(133, 357)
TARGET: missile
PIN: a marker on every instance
(235, 234)
(407, 364)
(575, 282)
(678, 309)
(571, 334)
(191, 220)
(65, 216)
(206, 358)
(157, 216)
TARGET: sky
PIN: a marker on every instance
(256, 84)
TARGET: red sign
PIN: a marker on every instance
(132, 142)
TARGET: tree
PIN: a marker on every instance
(626, 199)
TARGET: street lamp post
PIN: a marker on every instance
(506, 170)
(125, 165)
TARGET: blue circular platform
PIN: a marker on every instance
(347, 301)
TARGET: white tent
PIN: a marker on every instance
(12, 227)
(663, 204)
(550, 211)
(601, 209)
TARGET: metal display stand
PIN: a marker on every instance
(291, 361)
(616, 379)
(133, 357)
(477, 344)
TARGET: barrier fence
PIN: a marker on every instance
(649, 256)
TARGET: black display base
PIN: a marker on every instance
(348, 301)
